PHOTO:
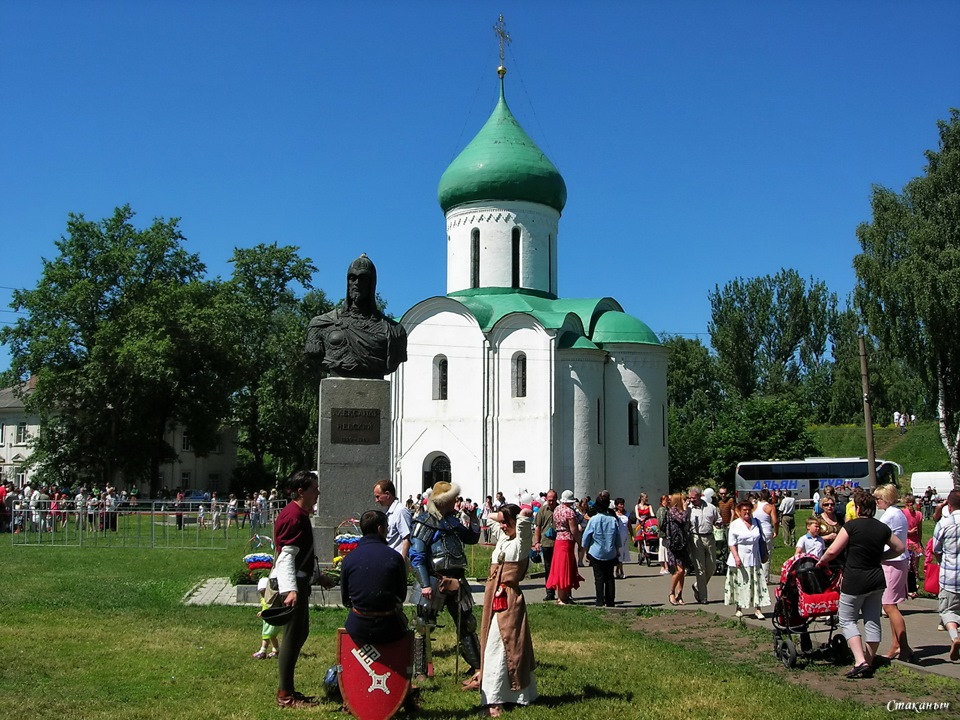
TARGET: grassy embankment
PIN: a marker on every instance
(919, 449)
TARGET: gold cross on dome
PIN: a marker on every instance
(500, 29)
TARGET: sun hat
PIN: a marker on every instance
(278, 615)
(567, 498)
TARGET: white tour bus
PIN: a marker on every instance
(804, 477)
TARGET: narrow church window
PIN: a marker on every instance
(599, 424)
(440, 378)
(475, 258)
(519, 375)
(550, 264)
(633, 423)
(663, 422)
(515, 258)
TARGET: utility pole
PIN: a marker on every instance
(867, 414)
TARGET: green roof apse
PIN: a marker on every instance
(618, 327)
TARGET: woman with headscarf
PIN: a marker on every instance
(507, 661)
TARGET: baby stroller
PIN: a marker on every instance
(648, 541)
(807, 600)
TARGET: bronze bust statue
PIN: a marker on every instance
(358, 341)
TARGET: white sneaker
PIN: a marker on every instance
(739, 613)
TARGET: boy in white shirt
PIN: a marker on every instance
(811, 543)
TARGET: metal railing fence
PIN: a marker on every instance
(152, 524)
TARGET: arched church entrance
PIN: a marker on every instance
(436, 469)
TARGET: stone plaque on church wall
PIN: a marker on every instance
(355, 426)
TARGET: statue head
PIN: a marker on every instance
(362, 286)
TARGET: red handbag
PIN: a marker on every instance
(931, 571)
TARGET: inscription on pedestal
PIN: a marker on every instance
(355, 426)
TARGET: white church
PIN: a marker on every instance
(509, 386)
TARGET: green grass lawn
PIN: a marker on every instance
(101, 633)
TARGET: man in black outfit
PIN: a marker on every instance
(373, 584)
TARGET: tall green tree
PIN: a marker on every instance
(738, 321)
(845, 402)
(124, 339)
(908, 277)
(275, 400)
(694, 399)
(770, 332)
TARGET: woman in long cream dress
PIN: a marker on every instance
(745, 586)
(507, 661)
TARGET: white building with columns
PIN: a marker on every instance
(508, 386)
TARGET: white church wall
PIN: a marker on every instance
(636, 373)
(520, 451)
(577, 443)
(424, 426)
(538, 245)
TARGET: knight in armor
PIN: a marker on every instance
(439, 563)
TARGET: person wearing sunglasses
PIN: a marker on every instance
(830, 522)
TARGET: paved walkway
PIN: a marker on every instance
(644, 587)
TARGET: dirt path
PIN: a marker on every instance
(739, 643)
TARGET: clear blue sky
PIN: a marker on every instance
(699, 141)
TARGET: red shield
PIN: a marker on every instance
(374, 680)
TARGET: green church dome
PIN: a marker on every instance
(502, 163)
(618, 327)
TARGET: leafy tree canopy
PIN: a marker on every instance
(908, 277)
(123, 337)
(274, 404)
(759, 428)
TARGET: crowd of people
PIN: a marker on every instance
(49, 508)
(701, 533)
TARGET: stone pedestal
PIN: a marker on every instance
(353, 453)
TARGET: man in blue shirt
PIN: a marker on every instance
(601, 540)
